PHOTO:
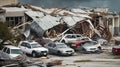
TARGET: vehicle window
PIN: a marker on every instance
(51, 45)
(61, 46)
(78, 36)
(28, 46)
(54, 45)
(8, 51)
(4, 49)
(68, 36)
(16, 51)
(35, 45)
(23, 44)
(89, 44)
(85, 39)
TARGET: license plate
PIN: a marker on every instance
(44, 53)
(69, 53)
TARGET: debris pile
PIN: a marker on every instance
(52, 22)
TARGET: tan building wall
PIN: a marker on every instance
(8, 2)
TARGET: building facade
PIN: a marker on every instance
(8, 2)
(14, 15)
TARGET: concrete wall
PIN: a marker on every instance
(116, 26)
(2, 17)
(8, 2)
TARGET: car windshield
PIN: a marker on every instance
(72, 36)
(89, 44)
(85, 39)
(35, 45)
(16, 51)
(61, 46)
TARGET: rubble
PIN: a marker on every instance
(78, 22)
(54, 63)
(43, 21)
(19, 61)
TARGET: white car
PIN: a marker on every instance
(89, 46)
(102, 41)
(33, 48)
(59, 48)
(12, 51)
(85, 38)
(70, 38)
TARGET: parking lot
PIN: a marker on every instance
(104, 59)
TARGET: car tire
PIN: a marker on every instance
(59, 53)
(34, 54)
(85, 51)
(99, 48)
(63, 41)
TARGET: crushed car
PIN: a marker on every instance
(87, 46)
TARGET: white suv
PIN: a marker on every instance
(33, 48)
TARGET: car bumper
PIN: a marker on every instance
(42, 54)
(115, 51)
(67, 53)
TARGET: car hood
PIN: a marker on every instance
(40, 49)
(92, 46)
(14, 55)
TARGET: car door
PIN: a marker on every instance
(28, 48)
(8, 51)
(23, 46)
(4, 49)
(80, 47)
(50, 48)
(54, 48)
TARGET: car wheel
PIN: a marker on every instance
(63, 41)
(59, 53)
(34, 54)
(85, 51)
(99, 48)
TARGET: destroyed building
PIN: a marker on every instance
(42, 21)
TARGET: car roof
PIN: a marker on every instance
(11, 47)
(58, 43)
(30, 42)
(72, 34)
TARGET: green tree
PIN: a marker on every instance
(5, 33)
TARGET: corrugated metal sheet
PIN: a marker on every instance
(72, 20)
(41, 22)
(44, 21)
(48, 22)
(34, 14)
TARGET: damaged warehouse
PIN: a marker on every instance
(84, 22)
(86, 25)
(40, 23)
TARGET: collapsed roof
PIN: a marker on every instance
(42, 22)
